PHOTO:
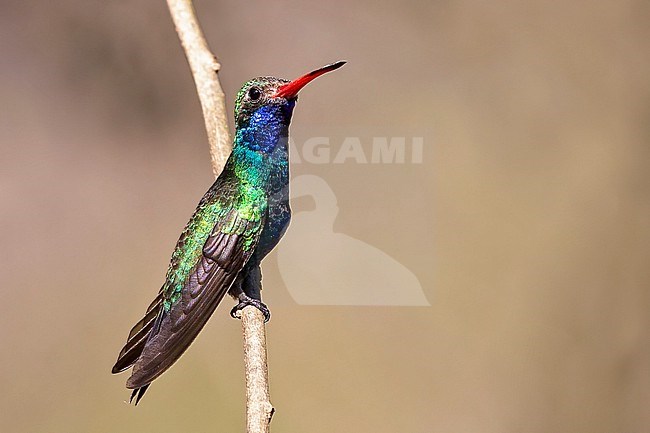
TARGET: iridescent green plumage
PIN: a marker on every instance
(236, 224)
(249, 202)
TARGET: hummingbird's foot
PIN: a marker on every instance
(245, 301)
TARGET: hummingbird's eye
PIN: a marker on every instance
(254, 93)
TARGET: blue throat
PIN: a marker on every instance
(261, 153)
(266, 128)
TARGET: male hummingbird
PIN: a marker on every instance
(236, 224)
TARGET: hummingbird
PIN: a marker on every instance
(239, 220)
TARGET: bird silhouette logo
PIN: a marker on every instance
(322, 267)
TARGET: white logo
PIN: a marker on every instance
(321, 267)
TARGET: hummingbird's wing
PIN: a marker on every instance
(168, 328)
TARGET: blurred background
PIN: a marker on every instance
(527, 224)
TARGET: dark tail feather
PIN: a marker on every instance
(139, 392)
(138, 336)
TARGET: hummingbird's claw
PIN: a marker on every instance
(245, 301)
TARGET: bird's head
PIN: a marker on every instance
(267, 100)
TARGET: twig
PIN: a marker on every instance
(205, 68)
(259, 409)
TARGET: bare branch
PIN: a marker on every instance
(258, 406)
(205, 68)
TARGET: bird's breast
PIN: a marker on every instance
(277, 221)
